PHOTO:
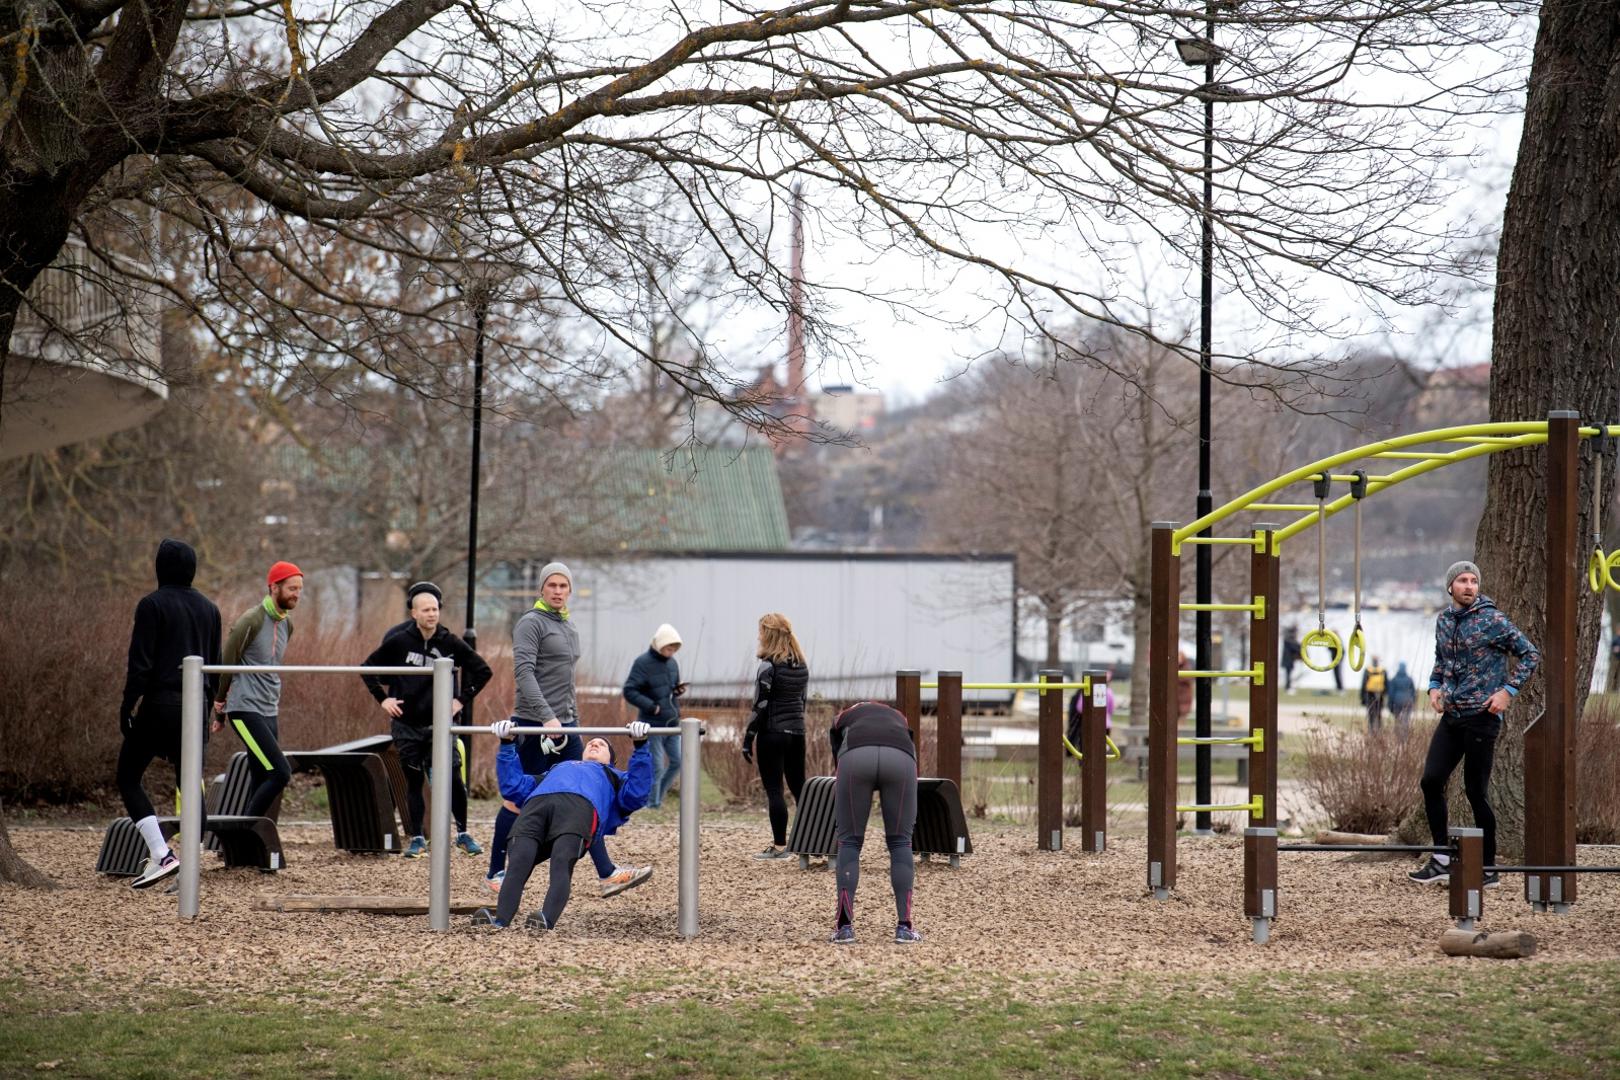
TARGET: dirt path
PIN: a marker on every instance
(1009, 911)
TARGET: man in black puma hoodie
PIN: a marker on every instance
(171, 623)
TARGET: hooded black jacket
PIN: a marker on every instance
(403, 646)
(171, 623)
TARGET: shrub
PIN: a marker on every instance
(1367, 782)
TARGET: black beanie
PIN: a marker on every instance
(419, 588)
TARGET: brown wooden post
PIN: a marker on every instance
(1164, 636)
(1467, 875)
(948, 728)
(1094, 765)
(1260, 879)
(1549, 746)
(1265, 576)
(1049, 767)
(908, 701)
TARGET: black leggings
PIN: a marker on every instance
(1472, 740)
(892, 773)
(269, 765)
(554, 827)
(780, 756)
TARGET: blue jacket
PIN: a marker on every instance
(1402, 691)
(650, 687)
(614, 802)
(1471, 650)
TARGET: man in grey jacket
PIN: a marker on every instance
(252, 701)
(545, 648)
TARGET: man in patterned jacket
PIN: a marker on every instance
(1471, 687)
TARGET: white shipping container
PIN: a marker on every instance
(859, 617)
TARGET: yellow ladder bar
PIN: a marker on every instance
(1256, 739)
(1255, 806)
(1258, 606)
(1257, 673)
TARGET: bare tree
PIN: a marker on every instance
(554, 144)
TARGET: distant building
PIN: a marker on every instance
(848, 409)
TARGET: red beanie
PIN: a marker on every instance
(281, 571)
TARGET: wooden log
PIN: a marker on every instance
(376, 905)
(1502, 945)
(1331, 836)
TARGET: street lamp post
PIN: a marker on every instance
(478, 295)
(1201, 52)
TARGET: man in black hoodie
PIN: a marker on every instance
(171, 623)
(408, 701)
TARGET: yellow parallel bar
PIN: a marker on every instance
(1258, 607)
(1287, 507)
(1503, 429)
(1257, 673)
(1413, 455)
(1255, 806)
(1256, 738)
(1589, 432)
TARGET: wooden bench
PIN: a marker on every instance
(941, 827)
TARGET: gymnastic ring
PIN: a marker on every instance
(1610, 565)
(1328, 640)
(1356, 649)
(1595, 567)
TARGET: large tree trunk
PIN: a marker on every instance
(14, 868)
(1556, 338)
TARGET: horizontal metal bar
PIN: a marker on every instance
(1220, 740)
(483, 729)
(1252, 807)
(1247, 674)
(1413, 848)
(1553, 869)
(1015, 686)
(1258, 605)
(310, 669)
(1246, 541)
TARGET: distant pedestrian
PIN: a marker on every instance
(1374, 685)
(1471, 687)
(874, 752)
(654, 687)
(171, 623)
(1077, 704)
(545, 648)
(1290, 655)
(252, 701)
(407, 700)
(1402, 696)
(781, 692)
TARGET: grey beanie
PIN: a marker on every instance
(1461, 567)
(556, 568)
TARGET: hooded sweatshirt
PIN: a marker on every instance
(1471, 650)
(650, 686)
(171, 623)
(403, 646)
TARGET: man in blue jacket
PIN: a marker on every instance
(1471, 687)
(561, 815)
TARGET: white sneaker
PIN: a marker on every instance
(626, 878)
(152, 873)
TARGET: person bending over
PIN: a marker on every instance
(1470, 688)
(561, 815)
(408, 702)
(873, 751)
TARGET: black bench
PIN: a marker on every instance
(244, 841)
(359, 796)
(941, 827)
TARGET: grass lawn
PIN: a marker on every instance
(1458, 1020)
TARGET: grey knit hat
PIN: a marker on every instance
(1461, 567)
(556, 568)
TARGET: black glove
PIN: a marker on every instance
(748, 751)
(126, 724)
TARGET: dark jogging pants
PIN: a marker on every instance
(537, 762)
(270, 769)
(557, 827)
(155, 734)
(892, 773)
(1470, 739)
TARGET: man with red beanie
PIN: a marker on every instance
(251, 701)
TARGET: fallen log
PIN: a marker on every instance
(1330, 836)
(376, 905)
(1502, 945)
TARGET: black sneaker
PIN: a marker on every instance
(536, 921)
(1492, 879)
(1431, 874)
(485, 917)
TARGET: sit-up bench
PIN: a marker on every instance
(941, 827)
(244, 841)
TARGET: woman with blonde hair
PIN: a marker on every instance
(781, 686)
